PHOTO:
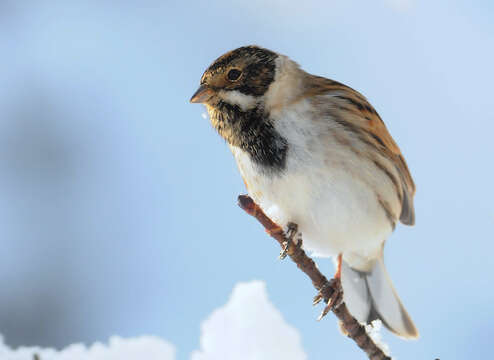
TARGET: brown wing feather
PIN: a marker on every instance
(368, 122)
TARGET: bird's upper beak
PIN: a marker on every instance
(202, 95)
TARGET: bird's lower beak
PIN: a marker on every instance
(202, 95)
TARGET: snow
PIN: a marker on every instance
(144, 347)
(248, 326)
(374, 331)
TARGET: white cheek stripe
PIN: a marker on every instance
(234, 97)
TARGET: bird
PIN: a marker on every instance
(314, 152)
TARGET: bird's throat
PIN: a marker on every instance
(253, 132)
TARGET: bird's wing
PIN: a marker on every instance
(366, 122)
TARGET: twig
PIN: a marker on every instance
(353, 328)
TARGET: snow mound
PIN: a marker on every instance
(248, 327)
(144, 347)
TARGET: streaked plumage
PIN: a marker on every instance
(314, 152)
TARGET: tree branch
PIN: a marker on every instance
(327, 289)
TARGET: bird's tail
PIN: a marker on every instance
(371, 295)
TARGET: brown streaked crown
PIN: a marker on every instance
(248, 69)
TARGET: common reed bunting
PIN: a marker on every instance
(314, 152)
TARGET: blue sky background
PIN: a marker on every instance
(118, 201)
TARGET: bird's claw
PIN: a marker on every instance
(334, 300)
(284, 250)
(317, 299)
(291, 235)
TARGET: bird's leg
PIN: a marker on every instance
(293, 238)
(337, 275)
(331, 292)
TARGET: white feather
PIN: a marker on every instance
(234, 97)
(336, 211)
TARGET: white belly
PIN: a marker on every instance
(336, 211)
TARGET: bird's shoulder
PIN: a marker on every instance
(355, 114)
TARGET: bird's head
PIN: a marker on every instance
(240, 77)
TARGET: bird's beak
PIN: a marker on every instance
(202, 95)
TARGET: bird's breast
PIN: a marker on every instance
(322, 188)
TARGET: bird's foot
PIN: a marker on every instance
(294, 238)
(335, 298)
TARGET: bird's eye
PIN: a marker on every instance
(234, 74)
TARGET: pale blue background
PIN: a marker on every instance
(118, 201)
